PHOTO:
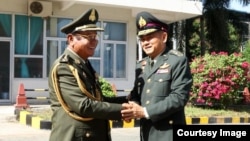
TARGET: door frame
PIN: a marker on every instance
(3, 39)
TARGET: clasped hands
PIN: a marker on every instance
(132, 110)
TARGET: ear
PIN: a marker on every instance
(70, 36)
(70, 39)
(165, 37)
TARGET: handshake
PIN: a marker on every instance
(132, 110)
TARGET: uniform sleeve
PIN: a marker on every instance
(118, 99)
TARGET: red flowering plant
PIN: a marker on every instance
(219, 79)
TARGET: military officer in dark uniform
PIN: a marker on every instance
(80, 112)
(162, 84)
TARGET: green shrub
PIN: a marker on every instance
(106, 88)
(219, 79)
(246, 51)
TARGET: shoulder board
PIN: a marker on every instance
(64, 59)
(142, 62)
(176, 52)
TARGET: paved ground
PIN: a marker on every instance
(12, 130)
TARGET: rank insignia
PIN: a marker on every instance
(77, 61)
(143, 63)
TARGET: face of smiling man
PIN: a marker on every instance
(83, 43)
(154, 43)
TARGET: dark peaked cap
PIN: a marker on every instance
(147, 23)
(86, 22)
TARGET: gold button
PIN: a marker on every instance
(87, 134)
(160, 80)
(149, 80)
(148, 90)
(147, 102)
(170, 122)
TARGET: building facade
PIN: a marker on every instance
(30, 38)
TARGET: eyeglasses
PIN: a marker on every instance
(89, 37)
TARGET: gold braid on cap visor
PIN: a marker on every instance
(147, 31)
(89, 26)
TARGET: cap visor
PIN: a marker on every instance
(145, 32)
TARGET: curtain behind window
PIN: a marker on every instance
(36, 28)
(21, 41)
(5, 22)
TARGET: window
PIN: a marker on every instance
(54, 49)
(33, 59)
(112, 50)
(5, 25)
(54, 26)
(28, 46)
(55, 41)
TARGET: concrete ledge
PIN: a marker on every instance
(36, 122)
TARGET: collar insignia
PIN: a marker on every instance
(142, 22)
(143, 63)
(77, 61)
(92, 15)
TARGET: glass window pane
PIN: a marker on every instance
(63, 46)
(36, 36)
(28, 67)
(54, 26)
(97, 50)
(21, 34)
(5, 25)
(120, 61)
(52, 54)
(96, 65)
(114, 31)
(108, 60)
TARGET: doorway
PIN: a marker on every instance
(4, 70)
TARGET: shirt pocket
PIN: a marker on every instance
(162, 85)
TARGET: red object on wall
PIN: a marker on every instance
(21, 99)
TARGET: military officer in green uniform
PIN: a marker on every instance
(162, 85)
(80, 111)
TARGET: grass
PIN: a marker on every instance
(190, 111)
(232, 111)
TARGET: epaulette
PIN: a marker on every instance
(68, 59)
(176, 52)
(142, 62)
(64, 59)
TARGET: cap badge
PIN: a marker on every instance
(142, 22)
(92, 15)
